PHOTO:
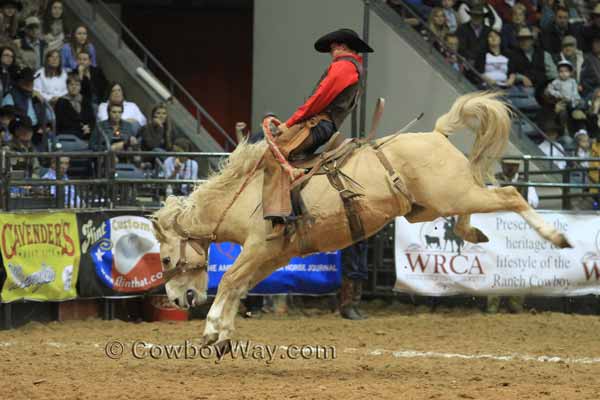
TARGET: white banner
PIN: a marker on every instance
(431, 260)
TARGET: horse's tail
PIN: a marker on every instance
(489, 119)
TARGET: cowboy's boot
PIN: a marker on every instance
(356, 296)
(515, 304)
(493, 303)
(347, 309)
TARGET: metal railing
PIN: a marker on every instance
(97, 180)
(153, 64)
(437, 45)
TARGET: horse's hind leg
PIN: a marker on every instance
(466, 231)
(486, 200)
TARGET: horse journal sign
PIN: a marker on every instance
(315, 274)
(432, 260)
(40, 255)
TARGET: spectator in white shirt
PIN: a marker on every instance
(70, 196)
(550, 146)
(181, 167)
(510, 173)
(51, 80)
(131, 112)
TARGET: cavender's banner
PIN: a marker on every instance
(40, 253)
(432, 260)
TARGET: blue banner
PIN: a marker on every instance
(315, 274)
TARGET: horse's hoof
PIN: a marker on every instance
(563, 242)
(480, 237)
(209, 339)
(223, 347)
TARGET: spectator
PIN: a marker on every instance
(491, 18)
(582, 142)
(437, 23)
(114, 131)
(158, 134)
(547, 15)
(131, 112)
(22, 132)
(553, 35)
(10, 11)
(593, 114)
(473, 35)
(70, 195)
(78, 43)
(572, 54)
(504, 9)
(451, 52)
(32, 48)
(592, 30)
(54, 26)
(51, 80)
(255, 137)
(566, 92)
(493, 65)
(451, 16)
(21, 96)
(8, 68)
(528, 64)
(34, 7)
(511, 29)
(590, 71)
(93, 81)
(74, 113)
(181, 167)
(7, 113)
(551, 146)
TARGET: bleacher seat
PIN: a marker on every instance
(128, 171)
(71, 143)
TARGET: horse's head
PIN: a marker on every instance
(185, 263)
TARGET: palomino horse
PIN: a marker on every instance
(437, 176)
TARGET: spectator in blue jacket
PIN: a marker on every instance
(79, 42)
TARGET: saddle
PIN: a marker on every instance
(329, 162)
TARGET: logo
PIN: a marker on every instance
(125, 253)
(44, 276)
(440, 251)
(16, 237)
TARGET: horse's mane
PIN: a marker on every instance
(236, 166)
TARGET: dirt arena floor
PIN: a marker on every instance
(398, 353)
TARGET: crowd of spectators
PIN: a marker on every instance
(543, 54)
(51, 81)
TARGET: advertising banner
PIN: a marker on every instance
(40, 253)
(432, 260)
(120, 255)
(315, 274)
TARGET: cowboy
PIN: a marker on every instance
(313, 123)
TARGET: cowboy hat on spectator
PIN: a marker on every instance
(32, 21)
(596, 10)
(569, 40)
(525, 33)
(477, 10)
(345, 36)
(18, 4)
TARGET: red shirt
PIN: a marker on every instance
(340, 75)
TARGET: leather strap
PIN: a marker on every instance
(395, 178)
(357, 230)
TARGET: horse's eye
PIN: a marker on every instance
(166, 260)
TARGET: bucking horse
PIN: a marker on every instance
(422, 177)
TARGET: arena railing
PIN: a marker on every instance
(469, 74)
(152, 63)
(97, 180)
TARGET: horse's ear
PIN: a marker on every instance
(158, 231)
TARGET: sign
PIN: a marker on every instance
(40, 253)
(315, 274)
(120, 255)
(432, 260)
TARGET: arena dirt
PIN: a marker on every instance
(68, 361)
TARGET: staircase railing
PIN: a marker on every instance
(153, 64)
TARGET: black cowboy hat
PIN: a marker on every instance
(18, 122)
(346, 36)
(17, 3)
(25, 74)
(478, 9)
